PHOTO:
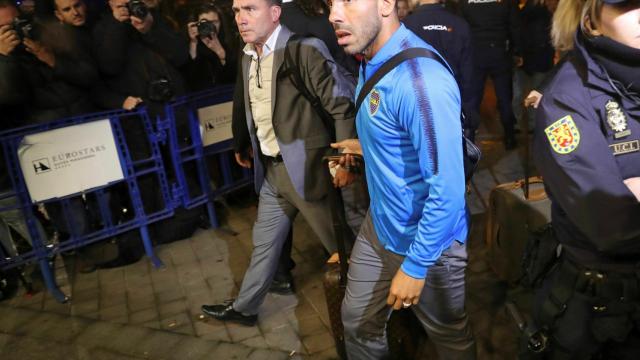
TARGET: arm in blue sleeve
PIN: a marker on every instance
(430, 113)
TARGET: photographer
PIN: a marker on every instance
(137, 55)
(52, 61)
(211, 62)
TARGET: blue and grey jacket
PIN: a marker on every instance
(409, 128)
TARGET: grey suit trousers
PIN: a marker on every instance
(441, 308)
(278, 205)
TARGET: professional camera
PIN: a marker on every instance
(160, 90)
(23, 28)
(206, 28)
(138, 9)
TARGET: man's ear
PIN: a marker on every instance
(387, 7)
(275, 13)
(58, 15)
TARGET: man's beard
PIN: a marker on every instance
(365, 37)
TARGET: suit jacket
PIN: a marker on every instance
(301, 133)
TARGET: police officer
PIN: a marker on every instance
(587, 147)
(451, 36)
(495, 29)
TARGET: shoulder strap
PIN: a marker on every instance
(292, 70)
(407, 54)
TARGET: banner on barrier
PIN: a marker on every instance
(69, 160)
(215, 121)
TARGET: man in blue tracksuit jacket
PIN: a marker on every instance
(410, 251)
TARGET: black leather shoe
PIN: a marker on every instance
(282, 287)
(225, 312)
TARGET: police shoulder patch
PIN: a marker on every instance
(563, 135)
(374, 102)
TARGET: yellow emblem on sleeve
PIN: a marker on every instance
(563, 135)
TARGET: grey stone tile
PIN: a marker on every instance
(111, 276)
(212, 331)
(239, 332)
(170, 295)
(95, 334)
(256, 342)
(182, 253)
(157, 345)
(114, 312)
(109, 299)
(172, 308)
(310, 326)
(230, 352)
(284, 338)
(193, 348)
(263, 354)
(329, 354)
(143, 316)
(318, 342)
(14, 319)
(85, 307)
(92, 294)
(135, 304)
(174, 321)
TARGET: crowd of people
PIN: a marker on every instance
(295, 99)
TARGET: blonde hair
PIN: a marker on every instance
(570, 15)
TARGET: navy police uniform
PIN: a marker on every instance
(451, 36)
(587, 142)
(495, 29)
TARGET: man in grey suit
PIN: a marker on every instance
(288, 141)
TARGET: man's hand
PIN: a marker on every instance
(131, 102)
(533, 99)
(634, 186)
(349, 146)
(8, 40)
(142, 25)
(343, 178)
(518, 61)
(244, 162)
(40, 51)
(404, 290)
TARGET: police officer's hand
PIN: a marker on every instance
(243, 161)
(142, 25)
(404, 291)
(8, 40)
(634, 186)
(343, 178)
(40, 51)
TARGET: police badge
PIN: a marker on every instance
(616, 119)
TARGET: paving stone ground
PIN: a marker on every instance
(139, 312)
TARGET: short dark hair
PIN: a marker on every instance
(8, 3)
(275, 2)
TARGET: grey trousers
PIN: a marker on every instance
(440, 310)
(278, 205)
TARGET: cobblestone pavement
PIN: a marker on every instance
(139, 312)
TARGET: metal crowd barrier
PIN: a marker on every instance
(188, 120)
(187, 182)
(134, 169)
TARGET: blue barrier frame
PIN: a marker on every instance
(132, 170)
(194, 150)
